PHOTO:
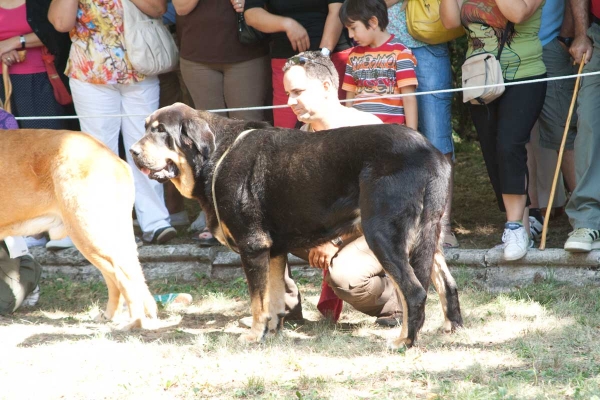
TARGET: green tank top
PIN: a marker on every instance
(485, 25)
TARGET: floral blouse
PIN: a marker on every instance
(397, 26)
(98, 53)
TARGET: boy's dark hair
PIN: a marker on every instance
(316, 66)
(363, 11)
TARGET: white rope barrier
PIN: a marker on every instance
(223, 110)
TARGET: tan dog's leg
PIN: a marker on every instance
(256, 267)
(446, 288)
(113, 306)
(277, 291)
(96, 210)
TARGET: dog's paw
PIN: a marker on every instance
(251, 337)
(137, 323)
(399, 343)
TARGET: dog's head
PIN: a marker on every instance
(177, 142)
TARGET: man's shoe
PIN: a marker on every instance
(516, 241)
(163, 235)
(390, 321)
(536, 227)
(32, 298)
(179, 219)
(64, 243)
(582, 240)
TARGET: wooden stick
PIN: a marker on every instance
(560, 156)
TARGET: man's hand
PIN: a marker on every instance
(320, 256)
(297, 35)
(581, 44)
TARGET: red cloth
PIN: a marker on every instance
(329, 304)
(596, 8)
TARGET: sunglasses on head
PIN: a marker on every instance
(301, 60)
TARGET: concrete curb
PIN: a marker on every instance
(188, 262)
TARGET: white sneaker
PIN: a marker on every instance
(536, 227)
(60, 244)
(583, 240)
(516, 241)
(33, 242)
(32, 298)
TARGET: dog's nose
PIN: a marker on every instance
(135, 150)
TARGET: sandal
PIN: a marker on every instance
(205, 238)
(450, 241)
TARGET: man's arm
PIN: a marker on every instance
(333, 27)
(582, 43)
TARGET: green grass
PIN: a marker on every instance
(537, 342)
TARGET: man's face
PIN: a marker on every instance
(306, 96)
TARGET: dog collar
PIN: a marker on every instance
(214, 179)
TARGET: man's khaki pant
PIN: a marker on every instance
(357, 278)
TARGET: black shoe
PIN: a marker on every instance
(163, 235)
(390, 321)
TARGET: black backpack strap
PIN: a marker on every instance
(509, 26)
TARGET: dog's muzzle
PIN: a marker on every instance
(160, 174)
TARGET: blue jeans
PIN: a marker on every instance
(434, 73)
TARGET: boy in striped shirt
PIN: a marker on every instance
(379, 65)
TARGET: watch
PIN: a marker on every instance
(567, 41)
(325, 51)
(337, 241)
(22, 40)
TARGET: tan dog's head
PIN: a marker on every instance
(177, 142)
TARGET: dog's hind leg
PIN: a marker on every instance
(391, 249)
(114, 305)
(448, 292)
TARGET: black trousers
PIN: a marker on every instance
(503, 128)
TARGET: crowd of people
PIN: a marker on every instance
(318, 53)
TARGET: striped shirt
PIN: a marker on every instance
(379, 71)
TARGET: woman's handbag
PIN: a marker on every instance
(61, 93)
(424, 23)
(483, 70)
(149, 44)
(247, 34)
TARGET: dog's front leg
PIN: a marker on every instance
(277, 291)
(256, 268)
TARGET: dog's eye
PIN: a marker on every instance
(170, 143)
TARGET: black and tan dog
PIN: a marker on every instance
(68, 183)
(279, 189)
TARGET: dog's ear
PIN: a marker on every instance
(196, 132)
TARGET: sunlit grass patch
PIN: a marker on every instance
(540, 341)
